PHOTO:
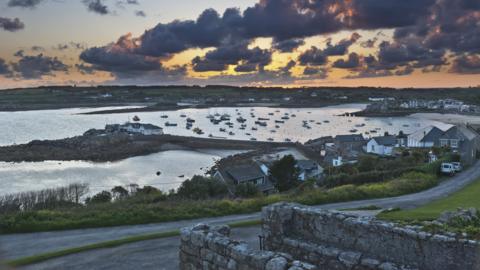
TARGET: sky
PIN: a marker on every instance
(381, 43)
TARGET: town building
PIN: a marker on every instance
(382, 145)
(246, 174)
(309, 169)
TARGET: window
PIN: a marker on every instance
(373, 148)
(443, 142)
(454, 143)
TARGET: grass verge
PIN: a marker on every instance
(465, 198)
(110, 244)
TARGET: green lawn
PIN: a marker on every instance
(465, 198)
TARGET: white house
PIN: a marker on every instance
(382, 146)
(425, 137)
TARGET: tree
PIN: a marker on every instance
(285, 173)
(119, 192)
(200, 187)
(102, 197)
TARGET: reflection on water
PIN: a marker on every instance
(299, 125)
(25, 176)
(22, 127)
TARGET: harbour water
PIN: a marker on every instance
(296, 125)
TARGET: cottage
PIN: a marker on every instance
(309, 169)
(244, 174)
(463, 140)
(353, 142)
(144, 129)
(426, 137)
(382, 145)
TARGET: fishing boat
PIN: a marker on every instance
(253, 139)
(136, 118)
(231, 133)
(353, 130)
(285, 117)
(164, 116)
(254, 128)
(263, 119)
(287, 140)
(183, 115)
(326, 121)
(293, 115)
(190, 120)
(263, 124)
(223, 130)
(279, 121)
(270, 139)
(270, 113)
(168, 124)
(241, 120)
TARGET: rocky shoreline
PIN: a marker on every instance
(114, 147)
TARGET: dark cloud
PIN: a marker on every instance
(231, 54)
(85, 69)
(341, 48)
(309, 71)
(424, 33)
(24, 3)
(11, 25)
(288, 45)
(313, 56)
(19, 53)
(4, 68)
(140, 13)
(466, 64)
(34, 67)
(96, 6)
(353, 61)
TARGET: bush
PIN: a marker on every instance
(246, 190)
(363, 178)
(102, 197)
(201, 188)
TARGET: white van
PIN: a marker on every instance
(448, 168)
(457, 166)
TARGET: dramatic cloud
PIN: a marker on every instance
(34, 67)
(467, 64)
(96, 6)
(352, 62)
(24, 3)
(85, 69)
(231, 54)
(288, 45)
(11, 25)
(425, 33)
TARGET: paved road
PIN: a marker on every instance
(20, 245)
(160, 254)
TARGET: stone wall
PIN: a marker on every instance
(334, 240)
(205, 247)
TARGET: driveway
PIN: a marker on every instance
(20, 245)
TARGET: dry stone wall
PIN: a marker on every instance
(210, 248)
(334, 240)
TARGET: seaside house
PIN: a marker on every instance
(309, 169)
(382, 145)
(462, 140)
(424, 138)
(246, 173)
(353, 142)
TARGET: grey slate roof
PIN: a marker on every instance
(433, 135)
(460, 133)
(386, 140)
(349, 138)
(245, 173)
(306, 164)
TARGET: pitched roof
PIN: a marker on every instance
(433, 135)
(244, 173)
(306, 164)
(459, 132)
(386, 140)
(349, 138)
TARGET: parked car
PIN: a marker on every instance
(457, 166)
(448, 168)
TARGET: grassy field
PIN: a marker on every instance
(467, 197)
